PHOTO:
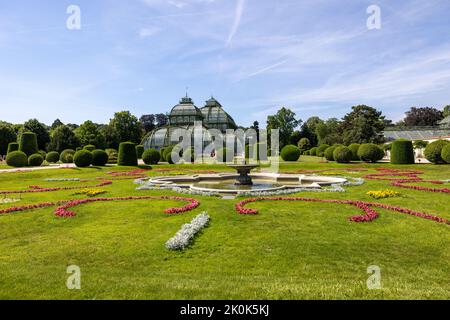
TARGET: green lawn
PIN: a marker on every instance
(289, 250)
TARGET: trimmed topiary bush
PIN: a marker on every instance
(99, 158)
(167, 155)
(342, 154)
(127, 154)
(17, 159)
(82, 158)
(89, 147)
(139, 151)
(445, 154)
(354, 149)
(52, 157)
(321, 150)
(112, 155)
(313, 151)
(13, 146)
(67, 156)
(35, 160)
(290, 153)
(151, 156)
(328, 154)
(28, 143)
(402, 152)
(433, 151)
(370, 152)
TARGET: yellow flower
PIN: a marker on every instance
(381, 194)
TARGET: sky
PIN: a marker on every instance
(317, 57)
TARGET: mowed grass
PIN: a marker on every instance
(290, 250)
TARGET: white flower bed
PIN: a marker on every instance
(8, 200)
(187, 232)
(61, 179)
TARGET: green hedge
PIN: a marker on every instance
(313, 151)
(35, 160)
(328, 154)
(28, 143)
(354, 149)
(290, 153)
(321, 150)
(127, 154)
(67, 156)
(13, 146)
(151, 156)
(342, 154)
(82, 158)
(139, 151)
(445, 154)
(52, 157)
(433, 151)
(99, 158)
(89, 147)
(402, 152)
(17, 159)
(370, 152)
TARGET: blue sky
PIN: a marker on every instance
(314, 56)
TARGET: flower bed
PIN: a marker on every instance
(186, 234)
(369, 213)
(8, 200)
(63, 211)
(382, 194)
(62, 179)
(34, 189)
(90, 192)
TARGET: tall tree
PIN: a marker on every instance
(285, 121)
(306, 132)
(255, 127)
(295, 137)
(161, 119)
(63, 138)
(426, 116)
(89, 133)
(56, 124)
(363, 125)
(127, 127)
(40, 129)
(147, 122)
(111, 137)
(7, 135)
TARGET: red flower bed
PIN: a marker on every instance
(407, 176)
(369, 213)
(63, 211)
(27, 207)
(34, 189)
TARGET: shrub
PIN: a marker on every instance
(89, 147)
(43, 153)
(67, 156)
(17, 159)
(329, 152)
(290, 153)
(370, 152)
(354, 149)
(161, 152)
(99, 158)
(28, 143)
(433, 151)
(445, 154)
(304, 144)
(82, 158)
(139, 151)
(35, 160)
(342, 154)
(52, 157)
(387, 147)
(127, 154)
(224, 154)
(313, 151)
(112, 155)
(167, 154)
(321, 150)
(420, 144)
(13, 146)
(151, 156)
(306, 153)
(402, 152)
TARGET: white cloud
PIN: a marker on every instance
(237, 20)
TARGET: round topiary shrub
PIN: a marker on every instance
(342, 154)
(370, 152)
(354, 149)
(433, 151)
(13, 146)
(17, 159)
(99, 158)
(67, 156)
(127, 154)
(290, 153)
(445, 154)
(151, 156)
(89, 147)
(402, 152)
(313, 151)
(112, 155)
(167, 154)
(321, 150)
(35, 160)
(328, 154)
(52, 157)
(82, 158)
(139, 151)
(28, 143)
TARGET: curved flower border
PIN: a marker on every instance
(369, 213)
(34, 189)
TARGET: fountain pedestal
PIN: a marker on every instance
(243, 169)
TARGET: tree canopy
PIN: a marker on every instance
(363, 125)
(425, 116)
(285, 121)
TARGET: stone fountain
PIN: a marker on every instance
(243, 169)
